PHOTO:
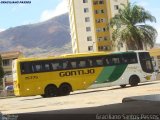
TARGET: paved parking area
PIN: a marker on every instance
(78, 99)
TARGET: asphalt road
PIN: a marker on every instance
(84, 104)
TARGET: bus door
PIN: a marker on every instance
(146, 64)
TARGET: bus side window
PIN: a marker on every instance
(93, 61)
(66, 65)
(129, 58)
(107, 61)
(46, 66)
(55, 66)
(23, 70)
(99, 61)
(116, 59)
(133, 58)
(73, 64)
(90, 62)
(37, 67)
(82, 63)
(124, 60)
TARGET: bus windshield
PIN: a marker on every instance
(146, 62)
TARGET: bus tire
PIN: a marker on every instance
(50, 91)
(134, 80)
(65, 89)
(123, 86)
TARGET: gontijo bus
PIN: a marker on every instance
(60, 75)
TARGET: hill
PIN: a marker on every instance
(51, 37)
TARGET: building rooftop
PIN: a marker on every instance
(155, 52)
(10, 54)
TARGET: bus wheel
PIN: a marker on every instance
(65, 89)
(123, 86)
(50, 91)
(134, 80)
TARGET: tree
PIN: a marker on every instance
(130, 27)
(1, 70)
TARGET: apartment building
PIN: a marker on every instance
(7, 58)
(88, 24)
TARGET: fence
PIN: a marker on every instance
(5, 93)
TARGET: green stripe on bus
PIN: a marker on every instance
(105, 74)
(111, 73)
(117, 73)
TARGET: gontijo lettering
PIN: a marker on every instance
(77, 72)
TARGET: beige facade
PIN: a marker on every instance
(155, 52)
(7, 58)
(88, 24)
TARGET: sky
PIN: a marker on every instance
(12, 15)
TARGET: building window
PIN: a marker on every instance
(105, 38)
(85, 1)
(99, 11)
(98, 30)
(102, 11)
(90, 48)
(87, 19)
(86, 10)
(96, 11)
(98, 21)
(104, 48)
(99, 39)
(89, 38)
(101, 20)
(88, 29)
(6, 62)
(116, 7)
(104, 29)
(101, 2)
(95, 2)
(101, 29)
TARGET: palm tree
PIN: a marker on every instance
(130, 27)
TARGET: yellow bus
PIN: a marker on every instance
(54, 76)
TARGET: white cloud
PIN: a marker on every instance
(60, 9)
(1, 29)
